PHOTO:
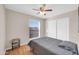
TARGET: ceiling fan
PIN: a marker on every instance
(43, 9)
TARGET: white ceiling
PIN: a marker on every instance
(27, 8)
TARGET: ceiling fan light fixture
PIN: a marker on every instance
(42, 10)
(42, 13)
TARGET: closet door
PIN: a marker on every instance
(51, 28)
(63, 29)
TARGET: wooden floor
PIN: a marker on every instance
(23, 50)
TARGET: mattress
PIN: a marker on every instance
(48, 46)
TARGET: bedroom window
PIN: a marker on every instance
(34, 28)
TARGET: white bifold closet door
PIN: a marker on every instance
(51, 28)
(63, 29)
(58, 28)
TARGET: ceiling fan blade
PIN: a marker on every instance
(49, 10)
(36, 9)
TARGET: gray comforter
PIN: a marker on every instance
(48, 46)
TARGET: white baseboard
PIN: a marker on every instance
(2, 53)
(9, 48)
(23, 44)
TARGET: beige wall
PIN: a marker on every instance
(73, 25)
(2, 30)
(17, 27)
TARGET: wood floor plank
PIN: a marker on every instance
(23, 50)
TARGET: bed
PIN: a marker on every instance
(52, 46)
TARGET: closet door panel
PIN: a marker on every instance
(51, 28)
(63, 29)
